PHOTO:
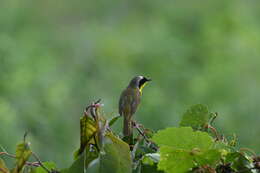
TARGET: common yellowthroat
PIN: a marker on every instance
(128, 103)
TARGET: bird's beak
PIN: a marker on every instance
(149, 79)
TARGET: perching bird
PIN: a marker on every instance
(128, 103)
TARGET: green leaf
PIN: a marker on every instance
(209, 157)
(23, 152)
(77, 166)
(88, 129)
(196, 117)
(175, 161)
(113, 120)
(3, 168)
(83, 161)
(240, 162)
(91, 154)
(94, 166)
(183, 138)
(150, 169)
(231, 157)
(149, 163)
(151, 158)
(181, 148)
(49, 165)
(115, 157)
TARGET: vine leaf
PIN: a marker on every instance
(181, 149)
(210, 157)
(183, 138)
(196, 116)
(173, 160)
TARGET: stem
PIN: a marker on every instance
(9, 155)
(214, 131)
(40, 163)
(142, 133)
(213, 118)
(248, 150)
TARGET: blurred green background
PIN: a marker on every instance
(58, 56)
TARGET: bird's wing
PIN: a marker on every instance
(135, 100)
(124, 102)
(129, 101)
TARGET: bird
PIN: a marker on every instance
(128, 103)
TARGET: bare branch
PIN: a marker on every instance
(7, 154)
(40, 163)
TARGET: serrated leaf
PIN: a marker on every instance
(3, 168)
(23, 152)
(49, 165)
(175, 161)
(88, 128)
(181, 148)
(183, 138)
(196, 117)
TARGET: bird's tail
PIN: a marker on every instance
(128, 130)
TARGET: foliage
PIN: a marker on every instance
(56, 56)
(196, 117)
(190, 148)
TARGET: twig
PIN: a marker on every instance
(213, 118)
(92, 108)
(93, 104)
(248, 150)
(140, 131)
(10, 155)
(40, 163)
(24, 136)
(139, 138)
(36, 164)
(214, 131)
(143, 134)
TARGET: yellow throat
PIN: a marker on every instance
(141, 88)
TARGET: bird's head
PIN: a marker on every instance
(139, 82)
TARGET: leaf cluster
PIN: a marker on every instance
(193, 147)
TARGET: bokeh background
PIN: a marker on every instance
(58, 56)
